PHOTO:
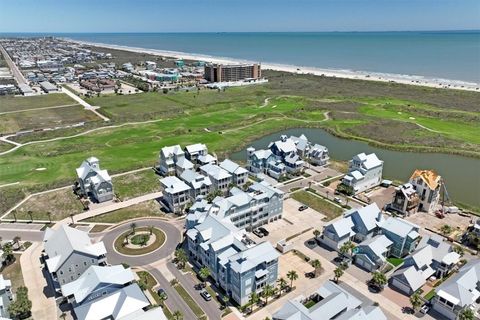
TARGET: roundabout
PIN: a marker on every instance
(161, 243)
(139, 241)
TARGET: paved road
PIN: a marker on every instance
(13, 67)
(171, 242)
(25, 235)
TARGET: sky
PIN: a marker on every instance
(237, 16)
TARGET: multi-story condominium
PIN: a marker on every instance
(433, 258)
(459, 292)
(259, 205)
(108, 293)
(406, 199)
(364, 172)
(6, 296)
(257, 160)
(94, 182)
(239, 174)
(194, 151)
(403, 234)
(199, 184)
(331, 302)
(230, 73)
(69, 252)
(221, 179)
(355, 225)
(176, 194)
(427, 183)
(237, 267)
(170, 158)
(372, 253)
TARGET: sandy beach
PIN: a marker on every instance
(347, 74)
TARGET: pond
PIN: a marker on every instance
(461, 174)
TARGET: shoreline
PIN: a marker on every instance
(333, 73)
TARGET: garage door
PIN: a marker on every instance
(363, 264)
(400, 286)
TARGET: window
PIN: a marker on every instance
(84, 263)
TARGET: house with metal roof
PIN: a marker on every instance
(237, 265)
(93, 181)
(194, 151)
(221, 178)
(318, 155)
(403, 234)
(239, 174)
(433, 258)
(459, 292)
(69, 252)
(176, 194)
(337, 233)
(372, 253)
(364, 172)
(199, 184)
(427, 184)
(6, 296)
(168, 158)
(257, 160)
(331, 301)
(366, 221)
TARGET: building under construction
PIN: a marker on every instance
(230, 72)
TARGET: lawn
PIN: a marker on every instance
(237, 116)
(136, 184)
(147, 278)
(395, 261)
(145, 209)
(159, 241)
(99, 228)
(60, 203)
(429, 295)
(45, 118)
(317, 203)
(13, 272)
(189, 301)
(5, 146)
(9, 103)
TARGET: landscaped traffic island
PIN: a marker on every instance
(139, 241)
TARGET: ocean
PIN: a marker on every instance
(439, 55)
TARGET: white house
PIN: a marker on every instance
(93, 181)
(176, 193)
(168, 158)
(364, 172)
(221, 178)
(199, 184)
(239, 174)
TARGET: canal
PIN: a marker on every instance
(461, 174)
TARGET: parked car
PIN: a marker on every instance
(205, 295)
(302, 208)
(258, 233)
(264, 231)
(162, 291)
(425, 308)
(337, 200)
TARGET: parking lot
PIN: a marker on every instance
(293, 222)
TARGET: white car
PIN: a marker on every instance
(337, 200)
(425, 308)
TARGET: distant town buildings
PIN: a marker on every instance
(330, 301)
(94, 182)
(364, 172)
(230, 73)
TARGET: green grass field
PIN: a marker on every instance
(44, 118)
(9, 103)
(136, 184)
(5, 146)
(145, 209)
(317, 203)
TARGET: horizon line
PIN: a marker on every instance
(203, 32)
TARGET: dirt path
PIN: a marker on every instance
(85, 104)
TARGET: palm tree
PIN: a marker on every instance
(204, 273)
(292, 275)
(133, 226)
(30, 213)
(181, 257)
(7, 252)
(253, 299)
(16, 240)
(416, 301)
(282, 284)
(466, 314)
(267, 292)
(347, 247)
(151, 230)
(379, 279)
(177, 315)
(49, 214)
(14, 212)
(63, 315)
(446, 229)
(316, 233)
(318, 267)
(338, 273)
(71, 217)
(225, 300)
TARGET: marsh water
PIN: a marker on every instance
(461, 174)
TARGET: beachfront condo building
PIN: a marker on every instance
(230, 73)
